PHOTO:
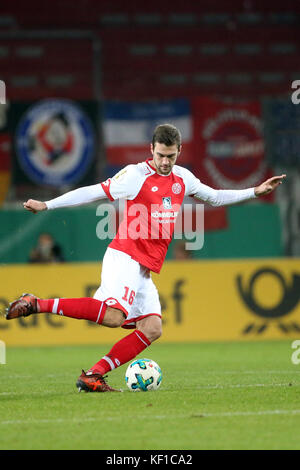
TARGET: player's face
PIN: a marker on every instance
(164, 157)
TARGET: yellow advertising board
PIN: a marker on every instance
(201, 301)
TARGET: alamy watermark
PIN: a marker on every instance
(296, 94)
(2, 352)
(155, 222)
(2, 92)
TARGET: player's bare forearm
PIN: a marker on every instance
(34, 206)
(269, 185)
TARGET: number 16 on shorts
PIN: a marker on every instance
(129, 295)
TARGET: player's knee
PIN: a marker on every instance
(155, 333)
(151, 327)
(113, 317)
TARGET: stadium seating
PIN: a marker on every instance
(150, 50)
(37, 68)
(189, 61)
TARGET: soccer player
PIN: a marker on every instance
(127, 296)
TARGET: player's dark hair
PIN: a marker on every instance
(166, 134)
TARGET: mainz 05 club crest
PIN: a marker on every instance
(55, 142)
(278, 313)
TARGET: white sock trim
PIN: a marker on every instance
(55, 305)
(141, 339)
(110, 362)
(99, 312)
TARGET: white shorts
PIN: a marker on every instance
(127, 285)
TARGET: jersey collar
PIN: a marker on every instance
(154, 169)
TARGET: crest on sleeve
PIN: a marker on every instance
(120, 174)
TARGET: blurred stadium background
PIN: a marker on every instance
(86, 83)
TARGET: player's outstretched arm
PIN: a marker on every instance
(269, 185)
(223, 197)
(77, 197)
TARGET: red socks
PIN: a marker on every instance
(87, 308)
(84, 308)
(123, 351)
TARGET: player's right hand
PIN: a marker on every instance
(34, 206)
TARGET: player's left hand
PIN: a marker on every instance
(269, 185)
(34, 206)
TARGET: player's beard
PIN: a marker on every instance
(165, 170)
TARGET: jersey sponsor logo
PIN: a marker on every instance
(55, 142)
(167, 202)
(164, 215)
(154, 189)
(176, 188)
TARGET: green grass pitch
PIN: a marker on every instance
(213, 396)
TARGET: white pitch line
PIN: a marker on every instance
(249, 413)
(200, 387)
(217, 386)
(226, 414)
(227, 372)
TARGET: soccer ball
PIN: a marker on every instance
(143, 375)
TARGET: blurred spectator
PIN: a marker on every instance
(46, 250)
(180, 252)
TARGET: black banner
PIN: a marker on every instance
(282, 131)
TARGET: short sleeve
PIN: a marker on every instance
(124, 185)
